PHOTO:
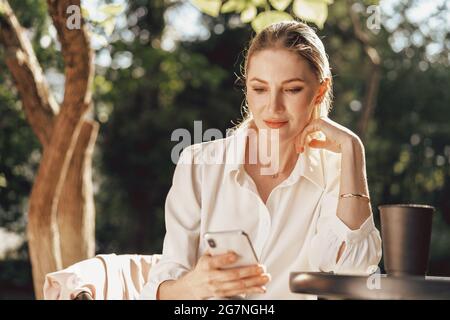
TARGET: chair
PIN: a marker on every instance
(105, 277)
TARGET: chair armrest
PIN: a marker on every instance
(83, 295)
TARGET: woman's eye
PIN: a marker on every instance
(259, 90)
(294, 90)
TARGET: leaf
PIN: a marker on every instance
(233, 5)
(210, 7)
(2, 8)
(248, 14)
(280, 4)
(259, 3)
(98, 41)
(229, 6)
(267, 18)
(85, 13)
(113, 9)
(108, 25)
(311, 11)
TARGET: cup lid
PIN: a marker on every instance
(407, 205)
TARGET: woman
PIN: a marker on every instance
(310, 213)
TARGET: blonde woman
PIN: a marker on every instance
(312, 213)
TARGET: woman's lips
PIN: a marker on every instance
(275, 124)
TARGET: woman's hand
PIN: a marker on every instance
(207, 280)
(353, 178)
(337, 136)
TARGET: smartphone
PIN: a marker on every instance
(234, 240)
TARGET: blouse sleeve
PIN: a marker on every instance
(182, 219)
(362, 251)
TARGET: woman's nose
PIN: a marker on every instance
(276, 103)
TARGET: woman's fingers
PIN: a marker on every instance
(320, 144)
(243, 285)
(237, 273)
(233, 281)
(313, 126)
(323, 144)
(230, 293)
(331, 130)
(218, 261)
(301, 141)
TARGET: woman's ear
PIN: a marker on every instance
(323, 89)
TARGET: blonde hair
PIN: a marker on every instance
(299, 38)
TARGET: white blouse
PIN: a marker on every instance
(296, 230)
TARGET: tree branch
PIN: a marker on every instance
(373, 80)
(40, 106)
(78, 58)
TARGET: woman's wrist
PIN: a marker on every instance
(165, 289)
(173, 290)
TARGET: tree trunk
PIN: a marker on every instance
(43, 234)
(62, 133)
(76, 211)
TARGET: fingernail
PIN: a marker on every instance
(266, 276)
(260, 269)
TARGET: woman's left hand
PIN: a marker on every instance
(337, 136)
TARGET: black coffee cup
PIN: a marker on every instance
(406, 234)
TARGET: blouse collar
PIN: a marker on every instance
(309, 163)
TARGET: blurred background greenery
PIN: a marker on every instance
(166, 65)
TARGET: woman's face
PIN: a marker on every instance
(282, 91)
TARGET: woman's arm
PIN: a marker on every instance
(353, 211)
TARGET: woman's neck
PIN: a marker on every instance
(272, 154)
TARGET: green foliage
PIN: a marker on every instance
(139, 106)
(105, 18)
(19, 148)
(20, 153)
(311, 11)
(211, 7)
(272, 11)
(170, 91)
(269, 17)
(18, 159)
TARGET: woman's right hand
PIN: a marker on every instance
(207, 280)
